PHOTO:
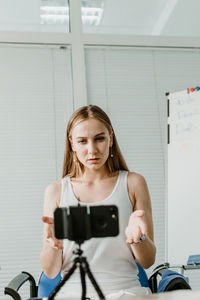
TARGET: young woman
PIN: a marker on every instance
(95, 173)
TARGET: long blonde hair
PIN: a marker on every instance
(71, 165)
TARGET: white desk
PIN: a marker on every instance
(176, 295)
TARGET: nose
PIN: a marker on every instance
(92, 148)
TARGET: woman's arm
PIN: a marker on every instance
(51, 255)
(140, 221)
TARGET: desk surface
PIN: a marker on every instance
(176, 295)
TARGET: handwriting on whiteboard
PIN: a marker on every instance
(184, 117)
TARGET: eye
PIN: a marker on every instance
(100, 138)
(82, 141)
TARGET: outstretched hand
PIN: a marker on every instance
(136, 227)
(49, 233)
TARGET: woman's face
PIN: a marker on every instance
(90, 139)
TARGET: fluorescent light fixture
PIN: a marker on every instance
(60, 15)
(55, 9)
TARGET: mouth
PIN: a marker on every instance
(95, 159)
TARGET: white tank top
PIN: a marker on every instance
(110, 259)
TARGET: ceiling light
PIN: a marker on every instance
(60, 15)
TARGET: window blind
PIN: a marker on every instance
(35, 104)
(130, 85)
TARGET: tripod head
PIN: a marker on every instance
(78, 251)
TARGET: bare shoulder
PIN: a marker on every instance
(136, 180)
(53, 188)
(52, 196)
(138, 191)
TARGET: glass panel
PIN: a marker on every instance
(142, 17)
(34, 15)
(54, 15)
(91, 15)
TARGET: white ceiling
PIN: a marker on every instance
(151, 17)
(140, 17)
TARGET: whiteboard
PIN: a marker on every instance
(183, 221)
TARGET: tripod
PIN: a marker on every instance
(81, 263)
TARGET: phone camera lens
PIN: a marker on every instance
(102, 222)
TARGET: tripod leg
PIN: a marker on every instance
(83, 283)
(92, 279)
(65, 278)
